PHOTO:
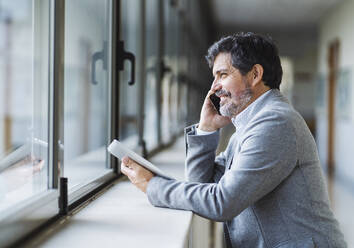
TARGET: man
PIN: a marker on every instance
(267, 186)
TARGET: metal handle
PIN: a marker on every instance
(164, 69)
(101, 55)
(123, 55)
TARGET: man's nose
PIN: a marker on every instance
(216, 85)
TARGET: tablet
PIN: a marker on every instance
(119, 150)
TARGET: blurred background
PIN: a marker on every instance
(168, 39)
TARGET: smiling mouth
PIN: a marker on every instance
(222, 93)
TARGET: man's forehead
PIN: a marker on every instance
(222, 62)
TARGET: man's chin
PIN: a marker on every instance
(224, 111)
(230, 110)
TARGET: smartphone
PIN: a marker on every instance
(216, 102)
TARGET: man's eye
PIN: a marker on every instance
(222, 75)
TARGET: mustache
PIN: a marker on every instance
(223, 92)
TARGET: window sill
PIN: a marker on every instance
(122, 216)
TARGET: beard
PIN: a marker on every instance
(235, 104)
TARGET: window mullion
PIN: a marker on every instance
(56, 127)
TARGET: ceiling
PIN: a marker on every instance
(292, 23)
(270, 14)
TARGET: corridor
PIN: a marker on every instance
(77, 74)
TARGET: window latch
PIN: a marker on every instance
(101, 55)
(123, 55)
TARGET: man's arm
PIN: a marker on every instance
(200, 149)
(201, 164)
(267, 157)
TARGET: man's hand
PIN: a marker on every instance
(137, 174)
(210, 120)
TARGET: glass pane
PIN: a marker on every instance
(182, 106)
(151, 42)
(174, 109)
(24, 46)
(169, 90)
(86, 89)
(129, 94)
(166, 120)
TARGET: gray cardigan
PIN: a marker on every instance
(267, 186)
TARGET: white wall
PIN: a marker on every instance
(337, 24)
(287, 84)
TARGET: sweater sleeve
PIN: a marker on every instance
(267, 156)
(201, 164)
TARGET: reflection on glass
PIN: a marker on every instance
(151, 42)
(166, 120)
(86, 89)
(182, 105)
(150, 122)
(24, 100)
(169, 122)
(129, 94)
(174, 108)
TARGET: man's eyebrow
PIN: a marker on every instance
(220, 70)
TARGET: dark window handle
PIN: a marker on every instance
(101, 55)
(123, 55)
(164, 69)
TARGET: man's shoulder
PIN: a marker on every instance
(271, 127)
(277, 112)
(274, 120)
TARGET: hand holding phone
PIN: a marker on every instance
(209, 119)
(216, 102)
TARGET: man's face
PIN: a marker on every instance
(235, 92)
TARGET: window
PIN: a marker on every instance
(24, 63)
(63, 100)
(131, 96)
(151, 121)
(55, 121)
(169, 76)
(87, 85)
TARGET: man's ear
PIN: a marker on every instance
(256, 74)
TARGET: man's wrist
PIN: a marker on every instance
(206, 128)
(202, 132)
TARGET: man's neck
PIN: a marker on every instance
(257, 92)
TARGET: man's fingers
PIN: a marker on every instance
(207, 99)
(130, 162)
(213, 89)
(130, 166)
(210, 92)
(126, 170)
(126, 160)
(137, 174)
